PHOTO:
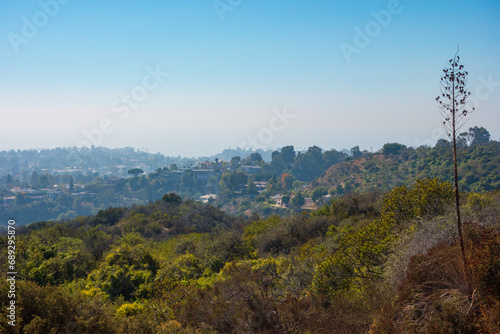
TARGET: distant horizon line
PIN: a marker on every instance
(146, 150)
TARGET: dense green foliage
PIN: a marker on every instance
(478, 168)
(176, 266)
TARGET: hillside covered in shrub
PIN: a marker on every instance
(479, 168)
(384, 263)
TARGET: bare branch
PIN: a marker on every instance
(452, 102)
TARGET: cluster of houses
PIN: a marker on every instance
(202, 171)
(308, 202)
(38, 194)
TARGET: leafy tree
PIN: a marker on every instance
(171, 198)
(252, 188)
(288, 155)
(8, 180)
(283, 160)
(393, 148)
(260, 199)
(287, 181)
(356, 153)
(277, 164)
(452, 101)
(425, 199)
(46, 180)
(309, 165)
(285, 199)
(34, 179)
(255, 157)
(318, 193)
(234, 181)
(332, 157)
(135, 172)
(110, 216)
(20, 199)
(71, 187)
(235, 162)
(476, 136)
(298, 200)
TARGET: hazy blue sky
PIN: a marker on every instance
(98, 67)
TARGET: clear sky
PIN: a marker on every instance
(194, 77)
